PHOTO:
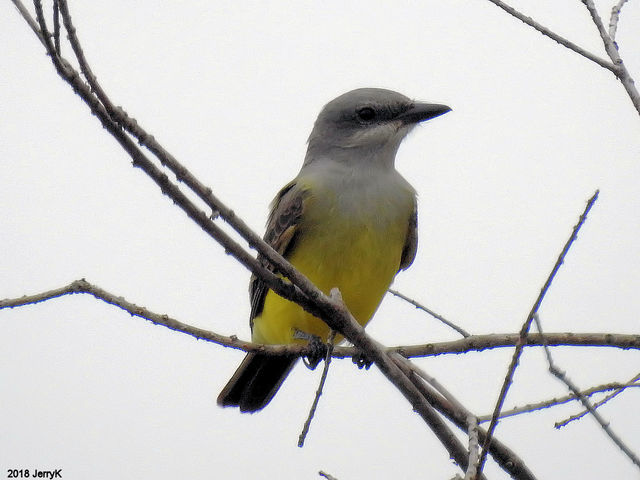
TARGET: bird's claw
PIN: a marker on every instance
(361, 360)
(317, 349)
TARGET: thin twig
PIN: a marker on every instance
(440, 428)
(474, 450)
(473, 343)
(113, 118)
(301, 290)
(525, 330)
(120, 117)
(88, 74)
(560, 375)
(430, 380)
(554, 36)
(29, 19)
(312, 299)
(478, 343)
(435, 315)
(615, 18)
(617, 391)
(612, 50)
(56, 26)
(326, 475)
(504, 456)
(373, 350)
(84, 287)
(553, 402)
(323, 378)
(140, 160)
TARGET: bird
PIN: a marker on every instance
(347, 220)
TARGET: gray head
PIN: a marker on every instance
(367, 121)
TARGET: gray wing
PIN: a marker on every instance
(281, 233)
(411, 242)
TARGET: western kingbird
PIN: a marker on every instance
(348, 220)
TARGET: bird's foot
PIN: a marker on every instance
(361, 360)
(318, 349)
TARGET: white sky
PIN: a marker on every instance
(232, 90)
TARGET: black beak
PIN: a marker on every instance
(419, 112)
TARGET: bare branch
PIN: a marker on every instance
(615, 18)
(299, 290)
(477, 343)
(504, 456)
(459, 415)
(82, 286)
(82, 61)
(616, 66)
(618, 390)
(612, 50)
(473, 343)
(456, 450)
(353, 331)
(554, 36)
(120, 117)
(326, 475)
(56, 26)
(170, 189)
(112, 118)
(474, 450)
(323, 378)
(560, 375)
(302, 291)
(29, 19)
(430, 380)
(532, 407)
(435, 315)
(526, 326)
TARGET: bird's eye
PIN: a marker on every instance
(366, 114)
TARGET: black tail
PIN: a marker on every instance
(256, 381)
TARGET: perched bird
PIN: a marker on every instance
(348, 220)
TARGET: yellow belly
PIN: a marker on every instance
(360, 261)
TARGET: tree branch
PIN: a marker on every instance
(343, 321)
(474, 343)
(562, 376)
(474, 449)
(615, 18)
(503, 455)
(299, 289)
(526, 326)
(169, 188)
(332, 311)
(554, 36)
(553, 402)
(616, 66)
(435, 315)
(612, 50)
(121, 118)
(323, 378)
(618, 389)
(30, 20)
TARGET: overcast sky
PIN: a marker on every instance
(232, 90)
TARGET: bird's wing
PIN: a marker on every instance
(411, 242)
(282, 228)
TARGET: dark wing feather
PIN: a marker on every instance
(259, 377)
(411, 242)
(286, 211)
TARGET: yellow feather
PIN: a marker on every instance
(360, 257)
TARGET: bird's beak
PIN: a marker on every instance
(420, 112)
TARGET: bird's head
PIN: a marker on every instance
(367, 120)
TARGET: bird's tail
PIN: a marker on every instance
(256, 381)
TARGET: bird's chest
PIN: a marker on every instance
(354, 235)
